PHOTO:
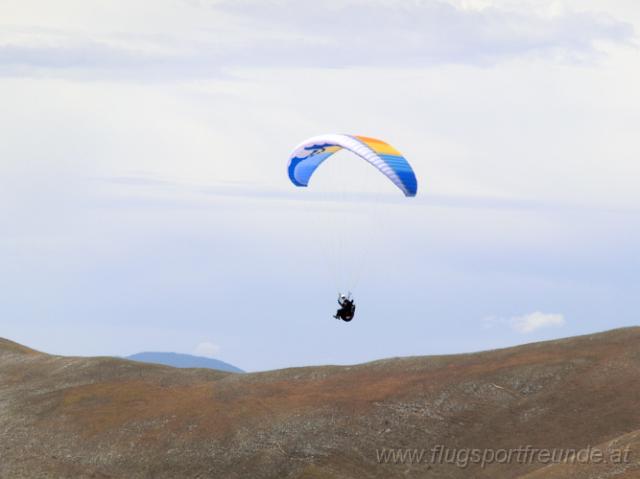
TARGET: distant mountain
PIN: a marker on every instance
(184, 361)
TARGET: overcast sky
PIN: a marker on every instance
(144, 201)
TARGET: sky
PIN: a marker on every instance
(145, 205)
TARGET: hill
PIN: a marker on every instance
(113, 418)
(184, 361)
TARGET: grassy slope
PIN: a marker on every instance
(107, 417)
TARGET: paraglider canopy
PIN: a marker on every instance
(309, 154)
(342, 220)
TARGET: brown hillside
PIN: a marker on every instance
(112, 418)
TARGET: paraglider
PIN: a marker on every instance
(311, 153)
(347, 308)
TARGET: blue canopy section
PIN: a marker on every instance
(302, 167)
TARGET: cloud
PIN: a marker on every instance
(534, 321)
(416, 33)
(294, 34)
(68, 53)
(207, 350)
(528, 323)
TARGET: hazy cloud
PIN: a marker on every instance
(65, 53)
(528, 323)
(416, 33)
(294, 34)
(534, 321)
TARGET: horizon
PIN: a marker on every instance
(347, 365)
